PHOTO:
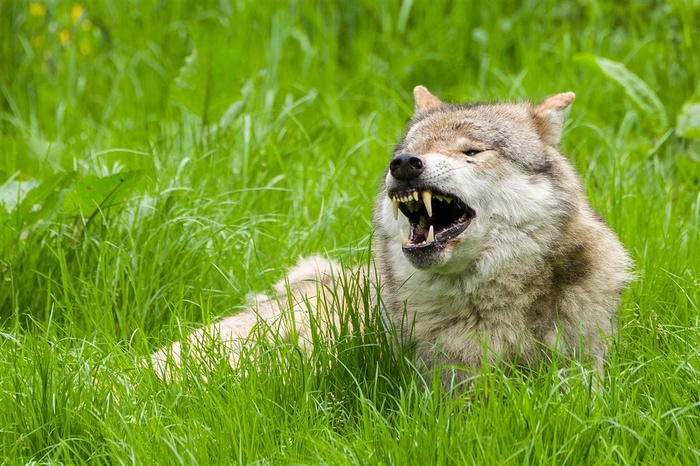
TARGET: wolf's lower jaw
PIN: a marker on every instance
(434, 217)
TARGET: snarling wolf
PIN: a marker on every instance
(483, 240)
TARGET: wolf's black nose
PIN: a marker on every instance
(406, 166)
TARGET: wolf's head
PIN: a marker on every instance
(470, 181)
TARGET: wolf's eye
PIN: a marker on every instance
(471, 152)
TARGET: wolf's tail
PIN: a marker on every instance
(287, 312)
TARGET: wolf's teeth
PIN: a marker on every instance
(427, 200)
(448, 199)
(431, 235)
(395, 208)
(404, 240)
(415, 196)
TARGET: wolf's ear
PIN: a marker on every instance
(425, 100)
(549, 116)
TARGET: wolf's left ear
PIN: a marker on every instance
(549, 116)
(425, 100)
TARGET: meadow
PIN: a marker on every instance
(160, 161)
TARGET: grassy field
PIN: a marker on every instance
(159, 161)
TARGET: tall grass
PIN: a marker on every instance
(251, 133)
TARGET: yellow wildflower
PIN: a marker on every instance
(64, 36)
(37, 9)
(76, 13)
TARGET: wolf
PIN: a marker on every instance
(484, 242)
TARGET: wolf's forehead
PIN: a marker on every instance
(490, 124)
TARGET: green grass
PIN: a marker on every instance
(269, 144)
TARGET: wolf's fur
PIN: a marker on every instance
(535, 270)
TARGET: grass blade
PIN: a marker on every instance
(636, 89)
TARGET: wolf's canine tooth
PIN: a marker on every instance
(431, 235)
(395, 208)
(427, 200)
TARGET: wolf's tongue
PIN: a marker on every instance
(429, 238)
(418, 238)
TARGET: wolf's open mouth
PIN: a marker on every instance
(434, 217)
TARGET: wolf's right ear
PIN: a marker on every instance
(549, 116)
(425, 100)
